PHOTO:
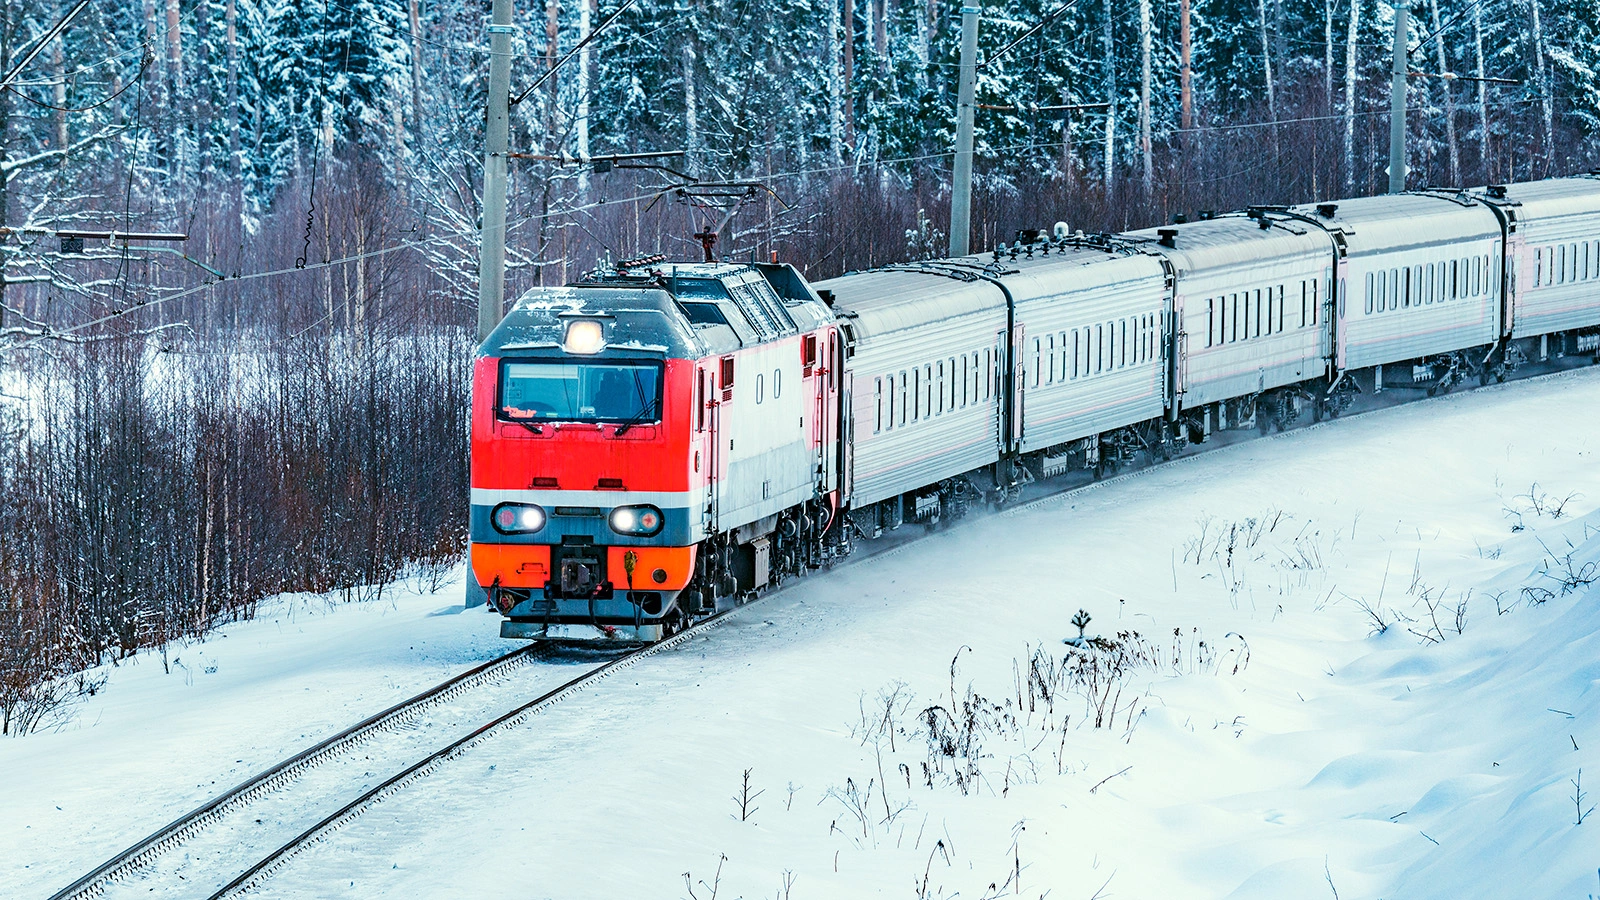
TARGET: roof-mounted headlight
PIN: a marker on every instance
(584, 336)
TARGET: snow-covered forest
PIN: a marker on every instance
(290, 133)
(277, 403)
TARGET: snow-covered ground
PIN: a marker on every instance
(1259, 735)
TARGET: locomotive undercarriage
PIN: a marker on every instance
(580, 602)
(734, 566)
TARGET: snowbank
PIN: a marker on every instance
(1359, 658)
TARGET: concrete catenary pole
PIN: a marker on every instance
(497, 138)
(961, 187)
(1397, 103)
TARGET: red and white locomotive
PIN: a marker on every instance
(650, 444)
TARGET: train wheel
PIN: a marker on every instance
(672, 623)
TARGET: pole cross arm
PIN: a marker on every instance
(124, 236)
(1451, 76)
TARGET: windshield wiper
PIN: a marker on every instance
(637, 418)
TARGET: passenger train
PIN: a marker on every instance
(657, 441)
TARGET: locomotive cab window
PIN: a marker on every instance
(703, 313)
(580, 392)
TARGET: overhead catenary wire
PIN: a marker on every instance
(341, 261)
(570, 53)
(38, 46)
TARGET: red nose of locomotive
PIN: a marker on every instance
(584, 507)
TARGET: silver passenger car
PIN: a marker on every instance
(1554, 257)
(929, 346)
(1251, 297)
(1092, 321)
(1418, 277)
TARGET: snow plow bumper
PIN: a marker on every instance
(588, 634)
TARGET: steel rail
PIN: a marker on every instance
(264, 869)
(177, 831)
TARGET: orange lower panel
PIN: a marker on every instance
(675, 563)
(514, 565)
(528, 566)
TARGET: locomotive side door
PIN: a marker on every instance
(1511, 290)
(818, 373)
(843, 412)
(720, 381)
(1338, 309)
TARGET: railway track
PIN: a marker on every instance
(239, 839)
(207, 848)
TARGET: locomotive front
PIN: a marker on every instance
(586, 496)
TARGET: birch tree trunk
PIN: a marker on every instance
(848, 52)
(230, 20)
(1111, 111)
(1350, 97)
(691, 110)
(1266, 62)
(1449, 101)
(1544, 89)
(1144, 97)
(1185, 72)
(415, 20)
(58, 72)
(177, 96)
(1327, 56)
(581, 128)
(1483, 96)
(836, 87)
(552, 41)
(155, 73)
(880, 33)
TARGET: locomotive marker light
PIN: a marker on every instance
(518, 518)
(584, 336)
(639, 521)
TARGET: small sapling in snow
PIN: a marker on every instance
(1579, 795)
(1081, 621)
(745, 800)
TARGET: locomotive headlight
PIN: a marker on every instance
(637, 521)
(517, 518)
(585, 336)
